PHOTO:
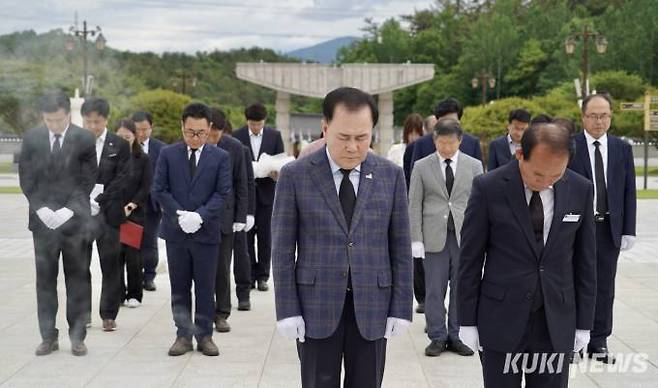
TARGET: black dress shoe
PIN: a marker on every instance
(435, 348)
(459, 347)
(207, 346)
(46, 347)
(78, 348)
(181, 346)
(601, 354)
(262, 285)
(149, 285)
(221, 325)
(420, 309)
(244, 305)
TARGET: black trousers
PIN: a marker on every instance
(150, 245)
(260, 265)
(131, 264)
(419, 280)
(321, 359)
(607, 256)
(223, 277)
(241, 266)
(543, 366)
(47, 248)
(109, 252)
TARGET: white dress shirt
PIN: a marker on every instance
(100, 142)
(453, 164)
(198, 154)
(512, 146)
(145, 145)
(603, 147)
(51, 137)
(256, 141)
(355, 175)
(548, 201)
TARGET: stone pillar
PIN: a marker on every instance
(385, 125)
(282, 107)
(76, 104)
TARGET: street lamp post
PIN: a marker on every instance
(483, 78)
(82, 36)
(601, 44)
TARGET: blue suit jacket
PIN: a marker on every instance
(155, 146)
(622, 196)
(174, 189)
(308, 225)
(499, 154)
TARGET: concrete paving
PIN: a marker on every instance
(253, 355)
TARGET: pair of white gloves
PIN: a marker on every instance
(190, 222)
(470, 337)
(295, 328)
(240, 226)
(54, 219)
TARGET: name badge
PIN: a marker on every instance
(571, 218)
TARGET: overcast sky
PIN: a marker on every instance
(205, 25)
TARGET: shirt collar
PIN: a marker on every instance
(146, 142)
(101, 138)
(334, 166)
(189, 150)
(550, 188)
(52, 134)
(453, 158)
(590, 139)
(260, 134)
(510, 141)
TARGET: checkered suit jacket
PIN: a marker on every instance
(312, 249)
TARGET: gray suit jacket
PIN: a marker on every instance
(429, 203)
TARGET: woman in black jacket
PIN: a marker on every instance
(135, 197)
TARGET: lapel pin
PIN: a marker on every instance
(369, 176)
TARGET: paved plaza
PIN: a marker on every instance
(252, 354)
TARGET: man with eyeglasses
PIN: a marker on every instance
(607, 161)
(192, 183)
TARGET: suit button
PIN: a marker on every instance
(350, 244)
(541, 268)
(343, 274)
(449, 204)
(528, 296)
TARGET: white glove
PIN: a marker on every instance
(251, 220)
(291, 328)
(627, 242)
(46, 216)
(238, 226)
(418, 249)
(581, 340)
(470, 337)
(190, 222)
(95, 207)
(61, 217)
(395, 327)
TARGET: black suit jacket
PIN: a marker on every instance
(499, 153)
(251, 184)
(114, 175)
(67, 183)
(235, 209)
(622, 195)
(272, 144)
(497, 228)
(155, 146)
(138, 186)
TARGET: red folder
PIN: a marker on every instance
(131, 234)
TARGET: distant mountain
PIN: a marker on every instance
(324, 52)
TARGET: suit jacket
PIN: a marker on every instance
(499, 154)
(497, 226)
(430, 204)
(308, 225)
(114, 174)
(251, 184)
(139, 186)
(235, 209)
(66, 182)
(155, 146)
(622, 196)
(206, 194)
(272, 144)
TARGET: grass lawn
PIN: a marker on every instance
(647, 194)
(10, 190)
(639, 171)
(5, 168)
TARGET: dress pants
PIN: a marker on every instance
(536, 343)
(260, 265)
(189, 262)
(150, 244)
(109, 251)
(440, 269)
(419, 280)
(131, 259)
(606, 270)
(47, 248)
(321, 358)
(241, 266)
(223, 277)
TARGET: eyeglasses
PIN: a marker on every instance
(595, 117)
(191, 133)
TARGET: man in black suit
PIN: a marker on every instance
(261, 139)
(234, 218)
(607, 161)
(56, 170)
(106, 200)
(503, 149)
(151, 146)
(535, 296)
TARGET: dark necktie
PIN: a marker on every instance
(346, 196)
(599, 179)
(193, 162)
(450, 181)
(57, 145)
(537, 217)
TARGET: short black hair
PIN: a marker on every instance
(54, 101)
(218, 119)
(98, 105)
(555, 136)
(142, 116)
(448, 127)
(541, 118)
(589, 98)
(255, 112)
(352, 99)
(449, 105)
(521, 115)
(197, 110)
